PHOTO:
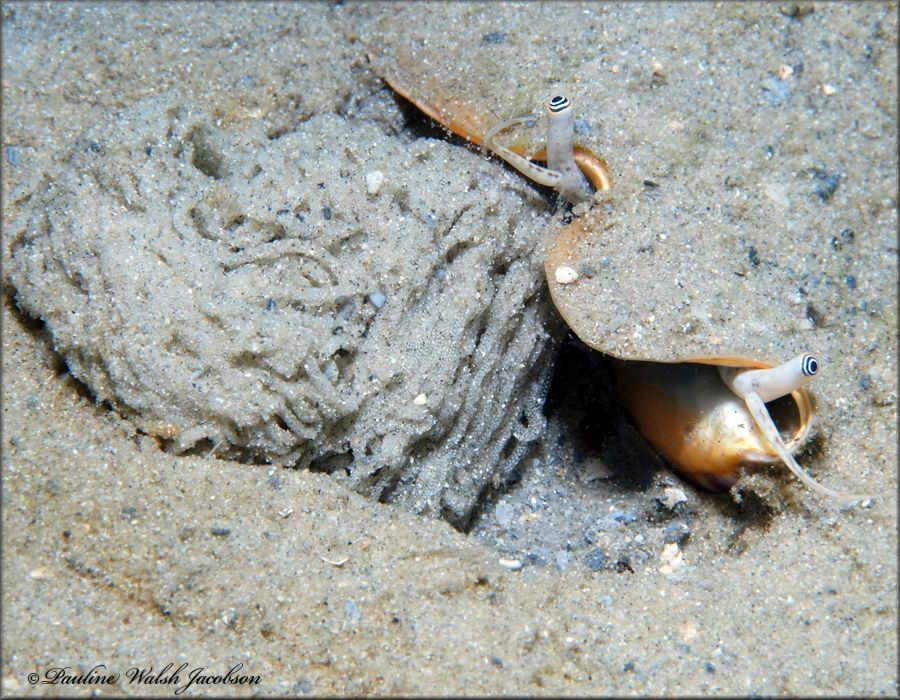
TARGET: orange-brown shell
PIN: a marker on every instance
(471, 124)
(694, 421)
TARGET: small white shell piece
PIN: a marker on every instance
(565, 274)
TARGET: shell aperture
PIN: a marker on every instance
(759, 386)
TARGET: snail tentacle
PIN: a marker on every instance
(574, 186)
(775, 382)
(758, 386)
(562, 172)
(541, 175)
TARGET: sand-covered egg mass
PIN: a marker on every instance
(244, 295)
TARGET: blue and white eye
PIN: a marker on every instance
(558, 104)
(809, 366)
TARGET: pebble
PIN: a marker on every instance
(494, 37)
(420, 400)
(673, 496)
(784, 71)
(220, 531)
(352, 611)
(13, 153)
(377, 299)
(503, 512)
(670, 559)
(511, 564)
(596, 559)
(676, 532)
(606, 601)
(565, 274)
(374, 181)
(562, 560)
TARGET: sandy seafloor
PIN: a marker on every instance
(117, 553)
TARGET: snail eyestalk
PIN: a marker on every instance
(562, 172)
(757, 386)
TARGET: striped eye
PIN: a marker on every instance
(558, 104)
(809, 366)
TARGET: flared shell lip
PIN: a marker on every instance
(461, 121)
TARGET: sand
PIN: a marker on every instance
(118, 552)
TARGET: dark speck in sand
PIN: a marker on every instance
(624, 565)
(827, 183)
(844, 237)
(494, 37)
(709, 667)
(650, 183)
(129, 513)
(497, 661)
(753, 256)
(813, 315)
(12, 155)
(221, 531)
(865, 381)
(327, 212)
(539, 556)
(271, 305)
(850, 281)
